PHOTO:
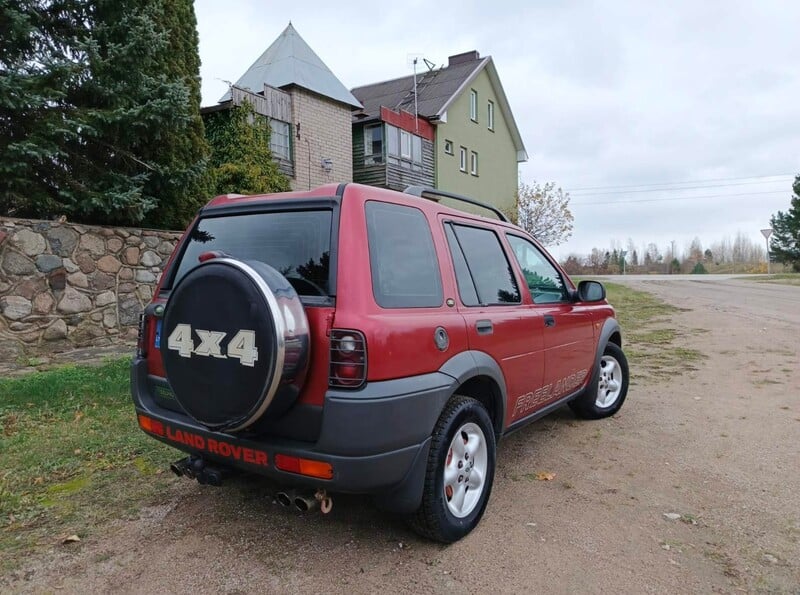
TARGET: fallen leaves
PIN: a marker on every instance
(544, 476)
(71, 539)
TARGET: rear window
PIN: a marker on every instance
(297, 244)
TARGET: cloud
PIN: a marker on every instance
(604, 94)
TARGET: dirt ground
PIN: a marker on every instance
(716, 445)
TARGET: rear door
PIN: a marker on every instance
(491, 303)
(567, 327)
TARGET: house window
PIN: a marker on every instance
(403, 148)
(448, 147)
(490, 115)
(416, 148)
(473, 105)
(473, 163)
(393, 140)
(463, 161)
(279, 139)
(373, 144)
(405, 145)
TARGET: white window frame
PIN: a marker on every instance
(405, 144)
(416, 148)
(448, 147)
(473, 105)
(473, 163)
(463, 159)
(490, 115)
(280, 139)
(392, 141)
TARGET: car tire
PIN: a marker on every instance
(606, 393)
(459, 474)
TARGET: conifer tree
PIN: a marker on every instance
(785, 240)
(99, 109)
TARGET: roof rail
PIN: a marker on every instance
(435, 194)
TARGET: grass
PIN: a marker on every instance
(71, 456)
(649, 344)
(781, 278)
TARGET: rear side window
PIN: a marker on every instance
(297, 244)
(488, 267)
(405, 270)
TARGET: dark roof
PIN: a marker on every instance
(434, 89)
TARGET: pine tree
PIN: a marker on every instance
(186, 185)
(100, 111)
(39, 65)
(785, 240)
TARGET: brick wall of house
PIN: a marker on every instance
(64, 286)
(325, 132)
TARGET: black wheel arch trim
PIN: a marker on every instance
(610, 328)
(468, 365)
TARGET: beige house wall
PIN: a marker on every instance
(321, 130)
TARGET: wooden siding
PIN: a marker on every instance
(273, 104)
(394, 174)
(286, 167)
(372, 175)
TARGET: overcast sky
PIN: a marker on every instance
(624, 97)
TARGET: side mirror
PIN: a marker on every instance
(591, 291)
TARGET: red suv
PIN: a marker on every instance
(354, 339)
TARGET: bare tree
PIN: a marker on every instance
(543, 211)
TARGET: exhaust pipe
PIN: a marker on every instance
(305, 502)
(285, 498)
(181, 467)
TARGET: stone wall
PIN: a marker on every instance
(64, 286)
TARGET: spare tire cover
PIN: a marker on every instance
(235, 343)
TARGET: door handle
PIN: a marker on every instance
(484, 327)
(549, 320)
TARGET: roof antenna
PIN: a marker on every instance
(429, 64)
(416, 118)
(414, 58)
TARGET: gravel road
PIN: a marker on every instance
(692, 488)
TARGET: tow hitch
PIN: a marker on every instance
(195, 467)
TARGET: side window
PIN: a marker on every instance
(466, 287)
(542, 278)
(405, 270)
(488, 266)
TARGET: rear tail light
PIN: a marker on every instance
(149, 339)
(348, 367)
(153, 426)
(307, 467)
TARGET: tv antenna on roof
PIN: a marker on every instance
(411, 60)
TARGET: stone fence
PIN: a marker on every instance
(65, 286)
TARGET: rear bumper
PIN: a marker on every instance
(376, 439)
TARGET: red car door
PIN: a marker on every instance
(568, 332)
(498, 323)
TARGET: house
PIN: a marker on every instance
(308, 107)
(453, 129)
